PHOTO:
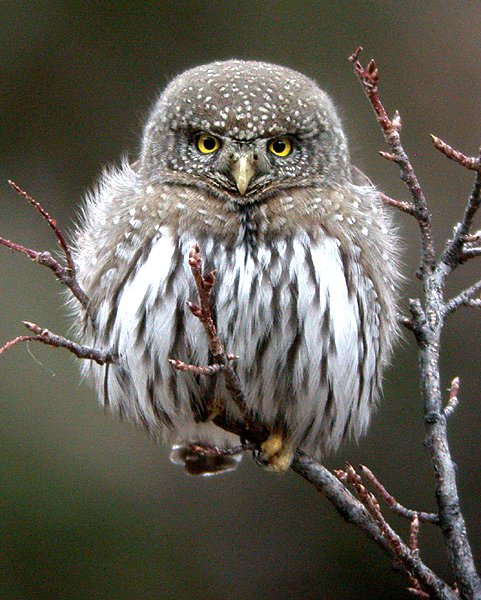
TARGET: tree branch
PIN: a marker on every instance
(427, 322)
(369, 79)
(66, 275)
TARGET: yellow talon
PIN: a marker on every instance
(272, 445)
(215, 408)
(277, 453)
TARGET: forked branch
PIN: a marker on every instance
(428, 317)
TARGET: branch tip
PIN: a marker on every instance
(469, 162)
(388, 156)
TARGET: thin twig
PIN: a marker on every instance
(398, 550)
(51, 222)
(470, 253)
(414, 532)
(393, 503)
(469, 162)
(66, 275)
(194, 369)
(369, 78)
(406, 207)
(221, 360)
(465, 298)
(453, 253)
(57, 341)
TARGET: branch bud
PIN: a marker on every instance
(396, 121)
(209, 280)
(194, 309)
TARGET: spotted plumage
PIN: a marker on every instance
(249, 160)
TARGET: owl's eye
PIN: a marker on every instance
(281, 146)
(206, 144)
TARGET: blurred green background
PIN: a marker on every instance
(89, 506)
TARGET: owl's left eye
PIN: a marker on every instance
(281, 146)
(206, 144)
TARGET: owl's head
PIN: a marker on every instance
(242, 130)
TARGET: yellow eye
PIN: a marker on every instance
(281, 146)
(207, 143)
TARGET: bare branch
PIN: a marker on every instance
(369, 78)
(393, 503)
(403, 206)
(470, 162)
(57, 341)
(427, 322)
(454, 253)
(465, 298)
(66, 275)
(419, 573)
(51, 222)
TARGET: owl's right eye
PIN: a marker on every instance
(207, 144)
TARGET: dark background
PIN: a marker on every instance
(89, 506)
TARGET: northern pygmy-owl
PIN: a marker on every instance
(249, 160)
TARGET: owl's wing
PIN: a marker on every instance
(359, 178)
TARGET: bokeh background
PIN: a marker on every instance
(89, 506)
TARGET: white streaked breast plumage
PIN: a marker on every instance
(318, 371)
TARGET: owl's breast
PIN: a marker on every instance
(302, 318)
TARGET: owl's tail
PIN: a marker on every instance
(201, 459)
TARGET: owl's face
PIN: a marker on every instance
(242, 130)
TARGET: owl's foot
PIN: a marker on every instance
(215, 408)
(276, 453)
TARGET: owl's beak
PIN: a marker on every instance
(243, 169)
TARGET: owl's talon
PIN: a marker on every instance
(216, 408)
(276, 453)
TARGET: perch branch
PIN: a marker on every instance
(354, 511)
(363, 511)
(361, 507)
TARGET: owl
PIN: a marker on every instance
(249, 160)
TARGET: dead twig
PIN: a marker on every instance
(66, 275)
(393, 503)
(369, 79)
(469, 162)
(421, 578)
(57, 341)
